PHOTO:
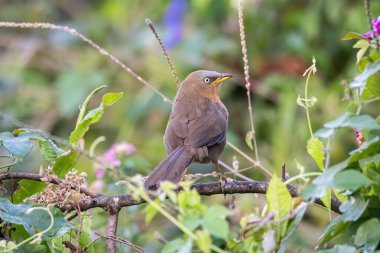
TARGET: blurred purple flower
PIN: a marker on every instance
(376, 27)
(112, 157)
(173, 22)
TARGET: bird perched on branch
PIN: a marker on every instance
(197, 127)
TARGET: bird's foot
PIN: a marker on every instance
(223, 182)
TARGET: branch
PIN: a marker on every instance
(112, 203)
(38, 177)
(113, 216)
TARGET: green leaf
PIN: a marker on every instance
(350, 180)
(215, 221)
(19, 145)
(370, 69)
(339, 249)
(83, 108)
(178, 245)
(372, 87)
(352, 36)
(279, 201)
(353, 208)
(300, 212)
(65, 162)
(217, 211)
(84, 239)
(150, 212)
(191, 220)
(36, 221)
(27, 188)
(49, 151)
(363, 45)
(338, 122)
(248, 139)
(368, 235)
(326, 200)
(354, 121)
(367, 149)
(61, 166)
(324, 133)
(92, 117)
(332, 230)
(204, 241)
(315, 150)
(362, 122)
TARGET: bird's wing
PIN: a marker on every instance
(196, 125)
(209, 128)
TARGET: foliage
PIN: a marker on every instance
(343, 155)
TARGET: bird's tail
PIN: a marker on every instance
(171, 169)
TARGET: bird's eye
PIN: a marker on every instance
(206, 80)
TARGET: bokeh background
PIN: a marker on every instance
(45, 75)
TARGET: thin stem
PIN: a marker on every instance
(327, 151)
(255, 163)
(91, 43)
(174, 73)
(37, 235)
(359, 101)
(367, 5)
(170, 217)
(233, 171)
(307, 104)
(371, 100)
(246, 74)
(302, 176)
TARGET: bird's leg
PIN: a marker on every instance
(222, 177)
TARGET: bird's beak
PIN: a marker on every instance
(222, 78)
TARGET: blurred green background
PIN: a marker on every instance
(45, 75)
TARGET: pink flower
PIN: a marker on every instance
(376, 27)
(123, 148)
(112, 157)
(359, 137)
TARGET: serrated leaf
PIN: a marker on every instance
(92, 117)
(49, 151)
(65, 162)
(248, 139)
(279, 201)
(315, 150)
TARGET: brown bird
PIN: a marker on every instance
(197, 127)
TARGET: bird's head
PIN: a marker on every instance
(203, 83)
